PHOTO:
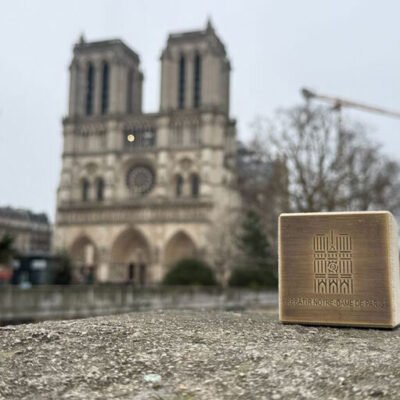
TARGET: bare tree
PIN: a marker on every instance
(263, 184)
(330, 164)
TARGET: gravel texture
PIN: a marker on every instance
(196, 355)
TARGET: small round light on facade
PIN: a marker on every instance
(131, 138)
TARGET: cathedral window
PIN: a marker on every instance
(100, 189)
(195, 185)
(89, 89)
(181, 82)
(129, 98)
(140, 179)
(85, 189)
(197, 81)
(178, 185)
(105, 88)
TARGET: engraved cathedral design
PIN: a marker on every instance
(333, 264)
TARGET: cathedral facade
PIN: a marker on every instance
(139, 191)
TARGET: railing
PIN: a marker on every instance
(62, 302)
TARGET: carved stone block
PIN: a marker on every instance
(339, 268)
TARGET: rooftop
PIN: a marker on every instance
(199, 34)
(82, 45)
(23, 215)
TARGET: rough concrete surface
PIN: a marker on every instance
(196, 355)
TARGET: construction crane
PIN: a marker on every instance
(338, 103)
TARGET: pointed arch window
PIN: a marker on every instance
(129, 98)
(178, 185)
(89, 89)
(100, 189)
(181, 82)
(85, 189)
(195, 185)
(197, 81)
(105, 89)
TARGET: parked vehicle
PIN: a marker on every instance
(29, 270)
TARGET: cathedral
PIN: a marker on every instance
(140, 191)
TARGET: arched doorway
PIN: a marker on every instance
(180, 246)
(130, 258)
(84, 256)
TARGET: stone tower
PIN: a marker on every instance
(139, 191)
(195, 72)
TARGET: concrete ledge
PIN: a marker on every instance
(196, 355)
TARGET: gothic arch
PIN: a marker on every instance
(130, 252)
(105, 87)
(100, 188)
(90, 168)
(194, 185)
(178, 247)
(89, 95)
(88, 172)
(83, 252)
(185, 164)
(197, 75)
(178, 182)
(181, 81)
(85, 189)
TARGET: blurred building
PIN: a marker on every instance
(140, 191)
(31, 232)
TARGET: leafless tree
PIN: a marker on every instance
(263, 184)
(225, 251)
(330, 164)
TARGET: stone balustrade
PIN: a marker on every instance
(62, 302)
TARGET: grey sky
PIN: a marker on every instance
(347, 47)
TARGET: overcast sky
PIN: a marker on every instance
(343, 47)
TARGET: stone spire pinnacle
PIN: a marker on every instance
(210, 26)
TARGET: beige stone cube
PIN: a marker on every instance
(339, 268)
